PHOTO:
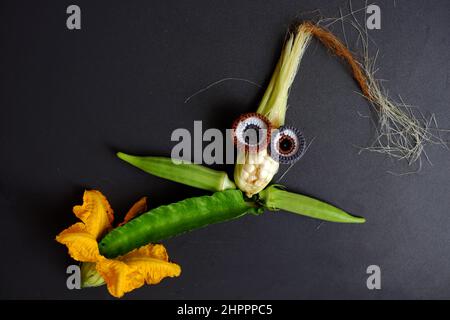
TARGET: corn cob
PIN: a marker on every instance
(254, 171)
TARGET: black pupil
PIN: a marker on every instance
(286, 145)
(252, 134)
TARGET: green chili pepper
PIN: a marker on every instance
(193, 175)
(275, 198)
(170, 220)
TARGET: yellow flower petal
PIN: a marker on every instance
(95, 212)
(119, 277)
(156, 251)
(81, 244)
(152, 262)
(138, 208)
(148, 264)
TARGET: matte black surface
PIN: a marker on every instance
(70, 99)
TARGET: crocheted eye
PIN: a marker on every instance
(251, 131)
(287, 145)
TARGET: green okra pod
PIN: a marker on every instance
(193, 175)
(171, 220)
(274, 198)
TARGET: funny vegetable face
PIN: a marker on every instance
(123, 256)
(261, 149)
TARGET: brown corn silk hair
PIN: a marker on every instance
(331, 42)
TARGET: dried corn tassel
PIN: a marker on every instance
(401, 134)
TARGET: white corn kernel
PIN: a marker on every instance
(251, 178)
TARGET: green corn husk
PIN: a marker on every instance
(273, 105)
(274, 198)
(193, 175)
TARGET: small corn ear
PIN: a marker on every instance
(250, 176)
(193, 175)
(274, 198)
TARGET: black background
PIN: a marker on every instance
(70, 99)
